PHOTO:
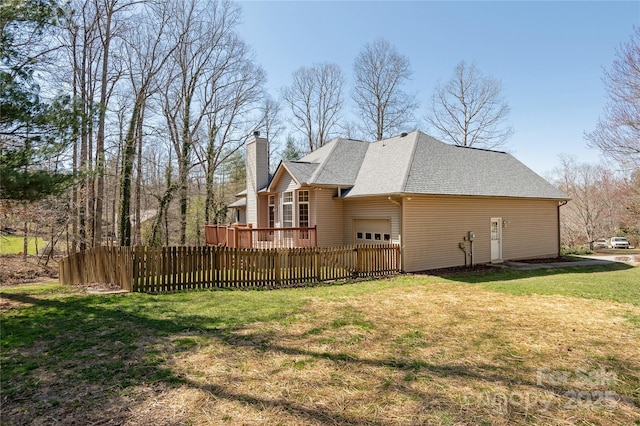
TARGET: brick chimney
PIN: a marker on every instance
(257, 174)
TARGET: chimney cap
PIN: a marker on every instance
(256, 133)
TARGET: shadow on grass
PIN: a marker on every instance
(490, 273)
(54, 350)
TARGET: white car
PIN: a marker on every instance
(600, 243)
(618, 243)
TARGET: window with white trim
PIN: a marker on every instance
(287, 209)
(303, 209)
(272, 211)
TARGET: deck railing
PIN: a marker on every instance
(241, 236)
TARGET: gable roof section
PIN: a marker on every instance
(336, 163)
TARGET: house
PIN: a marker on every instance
(444, 205)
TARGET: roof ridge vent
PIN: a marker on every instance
(479, 149)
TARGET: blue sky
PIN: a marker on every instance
(549, 55)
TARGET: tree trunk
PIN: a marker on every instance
(91, 181)
(138, 194)
(155, 237)
(183, 171)
(82, 196)
(209, 211)
(74, 162)
(128, 155)
(99, 196)
(25, 241)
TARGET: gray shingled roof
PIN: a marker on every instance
(336, 163)
(337, 168)
(419, 164)
(439, 168)
(385, 167)
(242, 202)
(301, 171)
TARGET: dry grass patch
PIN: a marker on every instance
(438, 354)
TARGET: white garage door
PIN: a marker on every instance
(372, 231)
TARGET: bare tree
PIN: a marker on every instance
(108, 29)
(592, 211)
(93, 30)
(617, 132)
(469, 109)
(630, 203)
(379, 72)
(231, 96)
(205, 63)
(315, 99)
(148, 53)
(84, 50)
(271, 125)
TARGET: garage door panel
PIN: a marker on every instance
(372, 231)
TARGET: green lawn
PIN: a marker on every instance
(15, 245)
(503, 347)
(617, 282)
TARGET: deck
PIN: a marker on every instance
(242, 236)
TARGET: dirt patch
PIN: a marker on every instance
(488, 268)
(550, 260)
(100, 288)
(14, 269)
(456, 270)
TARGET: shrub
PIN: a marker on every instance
(568, 251)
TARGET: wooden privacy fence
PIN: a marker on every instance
(166, 269)
(112, 265)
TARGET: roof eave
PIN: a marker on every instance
(433, 194)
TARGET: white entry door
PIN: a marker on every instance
(496, 239)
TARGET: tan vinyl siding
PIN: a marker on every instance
(434, 227)
(286, 183)
(252, 189)
(257, 173)
(326, 214)
(370, 208)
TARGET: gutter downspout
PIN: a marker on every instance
(401, 236)
(560, 204)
